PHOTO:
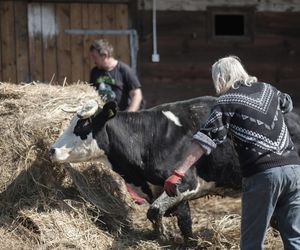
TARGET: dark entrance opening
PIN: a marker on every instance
(229, 25)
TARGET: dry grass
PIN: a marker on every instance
(82, 206)
(43, 204)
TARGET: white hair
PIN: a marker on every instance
(227, 72)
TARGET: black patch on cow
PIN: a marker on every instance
(94, 123)
(83, 128)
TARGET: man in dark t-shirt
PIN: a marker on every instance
(114, 80)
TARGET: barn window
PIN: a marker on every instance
(230, 24)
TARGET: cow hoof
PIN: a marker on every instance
(164, 237)
(190, 241)
(158, 236)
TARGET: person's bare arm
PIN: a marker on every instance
(136, 99)
(194, 152)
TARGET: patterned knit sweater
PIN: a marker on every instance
(253, 117)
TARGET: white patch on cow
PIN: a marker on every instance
(164, 202)
(71, 148)
(172, 117)
(190, 193)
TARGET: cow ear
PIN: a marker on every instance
(110, 109)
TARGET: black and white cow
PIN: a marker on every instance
(145, 146)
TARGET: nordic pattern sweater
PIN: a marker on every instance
(253, 116)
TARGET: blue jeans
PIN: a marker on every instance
(274, 191)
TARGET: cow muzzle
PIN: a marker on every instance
(58, 155)
(51, 154)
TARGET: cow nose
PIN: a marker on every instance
(51, 152)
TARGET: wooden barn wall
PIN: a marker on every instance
(186, 54)
(34, 47)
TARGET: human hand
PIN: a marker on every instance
(172, 181)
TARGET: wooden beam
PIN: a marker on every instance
(63, 43)
(122, 48)
(86, 43)
(21, 33)
(49, 31)
(35, 42)
(95, 22)
(8, 42)
(108, 21)
(76, 44)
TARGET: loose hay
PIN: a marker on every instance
(66, 227)
(105, 189)
(32, 116)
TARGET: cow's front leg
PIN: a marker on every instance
(184, 221)
(157, 210)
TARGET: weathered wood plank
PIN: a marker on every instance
(95, 22)
(108, 22)
(9, 72)
(77, 61)
(176, 71)
(122, 48)
(63, 44)
(86, 43)
(21, 33)
(263, 70)
(169, 90)
(35, 41)
(181, 49)
(282, 24)
(49, 31)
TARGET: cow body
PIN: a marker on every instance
(146, 146)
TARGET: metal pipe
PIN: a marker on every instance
(155, 55)
(98, 31)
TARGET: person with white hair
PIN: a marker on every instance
(252, 113)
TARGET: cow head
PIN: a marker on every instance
(77, 143)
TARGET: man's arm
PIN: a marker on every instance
(193, 154)
(136, 99)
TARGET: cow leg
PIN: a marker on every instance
(157, 210)
(184, 220)
(159, 228)
(137, 199)
(163, 203)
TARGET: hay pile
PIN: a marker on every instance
(48, 205)
(32, 116)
